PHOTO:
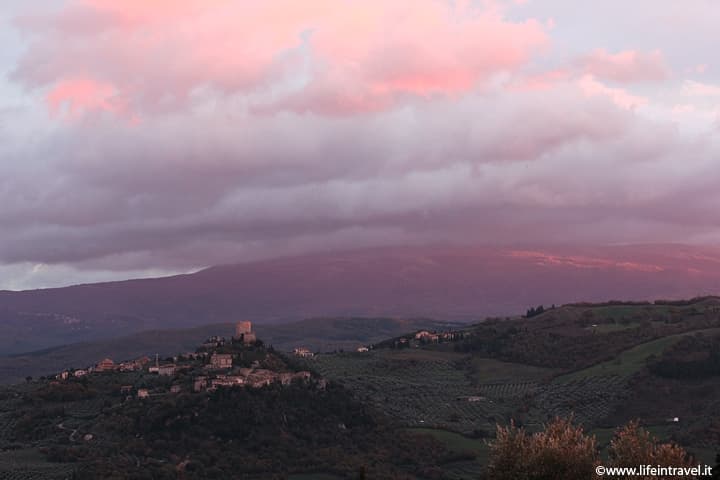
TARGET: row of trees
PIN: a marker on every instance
(564, 451)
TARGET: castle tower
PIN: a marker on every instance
(243, 328)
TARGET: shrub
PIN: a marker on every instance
(633, 446)
(561, 451)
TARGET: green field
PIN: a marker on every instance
(612, 327)
(632, 360)
(455, 441)
(463, 470)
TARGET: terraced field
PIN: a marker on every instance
(453, 392)
(510, 390)
(588, 399)
(84, 409)
(491, 371)
(420, 391)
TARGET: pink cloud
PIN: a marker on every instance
(584, 262)
(628, 66)
(698, 89)
(621, 97)
(75, 97)
(336, 56)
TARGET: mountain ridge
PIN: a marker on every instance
(456, 283)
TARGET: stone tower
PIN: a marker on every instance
(243, 328)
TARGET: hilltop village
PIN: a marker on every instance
(240, 361)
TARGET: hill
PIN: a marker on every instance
(604, 364)
(419, 405)
(258, 418)
(446, 283)
(319, 334)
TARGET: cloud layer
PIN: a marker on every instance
(169, 135)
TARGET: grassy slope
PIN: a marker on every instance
(633, 360)
(455, 442)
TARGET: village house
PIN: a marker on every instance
(303, 352)
(261, 378)
(221, 360)
(214, 341)
(128, 367)
(105, 365)
(167, 370)
(126, 389)
(80, 373)
(199, 384)
(426, 336)
(142, 361)
(175, 389)
(302, 375)
(363, 349)
(143, 393)
(63, 375)
(227, 381)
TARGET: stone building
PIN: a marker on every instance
(167, 370)
(199, 384)
(106, 365)
(221, 360)
(241, 328)
(243, 332)
(302, 352)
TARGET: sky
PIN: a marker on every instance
(143, 138)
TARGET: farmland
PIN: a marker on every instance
(458, 394)
(446, 395)
(634, 359)
(421, 389)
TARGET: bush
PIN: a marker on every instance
(633, 446)
(561, 451)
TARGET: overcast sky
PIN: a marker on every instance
(147, 137)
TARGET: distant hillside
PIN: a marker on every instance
(262, 418)
(326, 334)
(449, 283)
(603, 364)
